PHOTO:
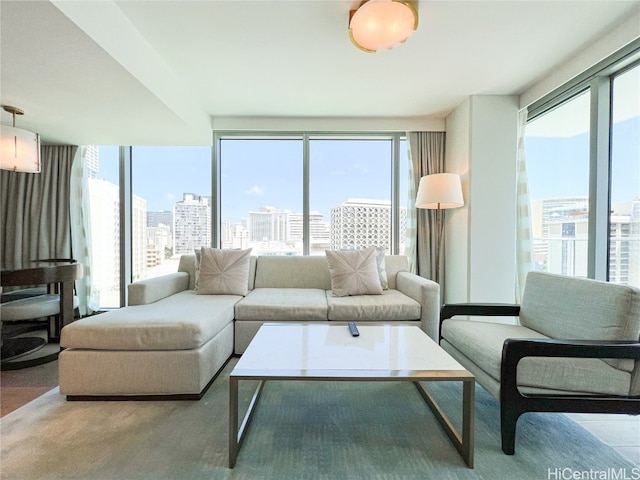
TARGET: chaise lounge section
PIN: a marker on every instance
(170, 342)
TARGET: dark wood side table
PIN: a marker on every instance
(60, 275)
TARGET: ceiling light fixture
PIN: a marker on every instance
(19, 149)
(382, 24)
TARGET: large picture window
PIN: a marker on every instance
(583, 161)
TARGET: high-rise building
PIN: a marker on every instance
(163, 217)
(92, 160)
(105, 241)
(191, 223)
(362, 223)
(269, 225)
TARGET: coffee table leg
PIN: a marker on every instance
(464, 442)
(236, 435)
(233, 421)
(468, 420)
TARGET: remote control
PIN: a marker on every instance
(353, 329)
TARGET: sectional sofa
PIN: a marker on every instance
(170, 341)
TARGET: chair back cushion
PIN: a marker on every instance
(573, 308)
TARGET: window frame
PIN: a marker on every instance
(598, 80)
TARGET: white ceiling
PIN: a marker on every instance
(160, 72)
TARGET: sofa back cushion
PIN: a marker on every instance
(575, 308)
(292, 272)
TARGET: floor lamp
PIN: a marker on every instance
(439, 191)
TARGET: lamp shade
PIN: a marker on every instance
(440, 190)
(382, 24)
(19, 150)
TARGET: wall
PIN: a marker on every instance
(480, 237)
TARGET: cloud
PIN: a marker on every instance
(337, 172)
(255, 190)
(171, 196)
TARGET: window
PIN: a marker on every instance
(624, 220)
(261, 195)
(583, 160)
(170, 207)
(104, 200)
(557, 150)
(349, 192)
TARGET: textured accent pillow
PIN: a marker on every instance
(223, 272)
(197, 252)
(354, 272)
(382, 269)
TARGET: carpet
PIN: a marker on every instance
(301, 430)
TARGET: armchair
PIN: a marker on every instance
(575, 348)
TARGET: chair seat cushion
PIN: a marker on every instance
(183, 321)
(30, 307)
(482, 343)
(274, 304)
(391, 305)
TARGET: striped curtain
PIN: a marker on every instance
(524, 235)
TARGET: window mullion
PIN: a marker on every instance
(599, 178)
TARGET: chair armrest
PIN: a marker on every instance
(478, 309)
(514, 350)
(151, 290)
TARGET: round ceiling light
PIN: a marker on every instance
(382, 24)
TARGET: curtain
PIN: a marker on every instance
(524, 236)
(427, 157)
(81, 231)
(36, 222)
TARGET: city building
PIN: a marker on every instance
(362, 223)
(191, 223)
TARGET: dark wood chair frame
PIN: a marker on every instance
(514, 403)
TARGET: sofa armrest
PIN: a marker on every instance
(477, 309)
(427, 294)
(153, 289)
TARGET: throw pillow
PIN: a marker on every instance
(354, 272)
(382, 271)
(223, 272)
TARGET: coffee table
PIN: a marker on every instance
(329, 353)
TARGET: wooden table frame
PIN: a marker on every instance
(60, 275)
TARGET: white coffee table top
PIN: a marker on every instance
(329, 351)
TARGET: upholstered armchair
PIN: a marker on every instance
(574, 347)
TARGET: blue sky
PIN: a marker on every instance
(261, 173)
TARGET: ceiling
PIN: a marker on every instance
(163, 72)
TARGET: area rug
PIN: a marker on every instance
(301, 430)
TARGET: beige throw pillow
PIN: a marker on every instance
(223, 272)
(354, 272)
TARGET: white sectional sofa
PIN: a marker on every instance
(171, 342)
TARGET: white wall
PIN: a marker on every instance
(480, 237)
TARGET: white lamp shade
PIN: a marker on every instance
(19, 150)
(440, 190)
(382, 24)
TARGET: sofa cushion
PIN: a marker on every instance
(223, 272)
(391, 305)
(292, 272)
(269, 304)
(482, 343)
(182, 321)
(354, 272)
(581, 309)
